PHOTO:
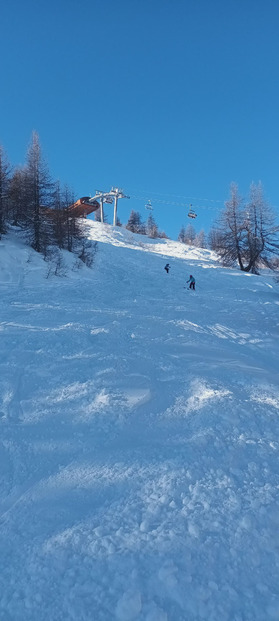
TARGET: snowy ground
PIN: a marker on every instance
(139, 436)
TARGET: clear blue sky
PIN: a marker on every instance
(163, 98)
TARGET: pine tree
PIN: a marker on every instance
(200, 240)
(231, 229)
(4, 188)
(190, 235)
(39, 194)
(214, 239)
(246, 233)
(58, 215)
(162, 235)
(151, 227)
(70, 225)
(181, 235)
(135, 224)
(261, 233)
(67, 228)
(18, 198)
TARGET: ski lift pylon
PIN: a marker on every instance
(191, 212)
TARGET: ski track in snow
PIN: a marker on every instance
(139, 437)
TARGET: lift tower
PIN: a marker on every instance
(109, 197)
(116, 193)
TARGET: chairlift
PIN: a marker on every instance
(148, 205)
(191, 212)
(108, 199)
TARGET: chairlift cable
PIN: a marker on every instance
(175, 203)
(194, 198)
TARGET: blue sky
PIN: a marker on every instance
(167, 99)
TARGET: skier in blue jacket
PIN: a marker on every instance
(192, 282)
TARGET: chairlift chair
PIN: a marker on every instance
(148, 205)
(191, 212)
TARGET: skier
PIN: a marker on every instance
(192, 282)
(167, 267)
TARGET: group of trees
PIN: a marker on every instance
(246, 233)
(31, 200)
(149, 228)
(136, 224)
(189, 236)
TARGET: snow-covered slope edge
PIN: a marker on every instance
(119, 236)
(139, 438)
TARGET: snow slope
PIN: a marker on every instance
(138, 437)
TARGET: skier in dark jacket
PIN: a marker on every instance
(167, 267)
(192, 282)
